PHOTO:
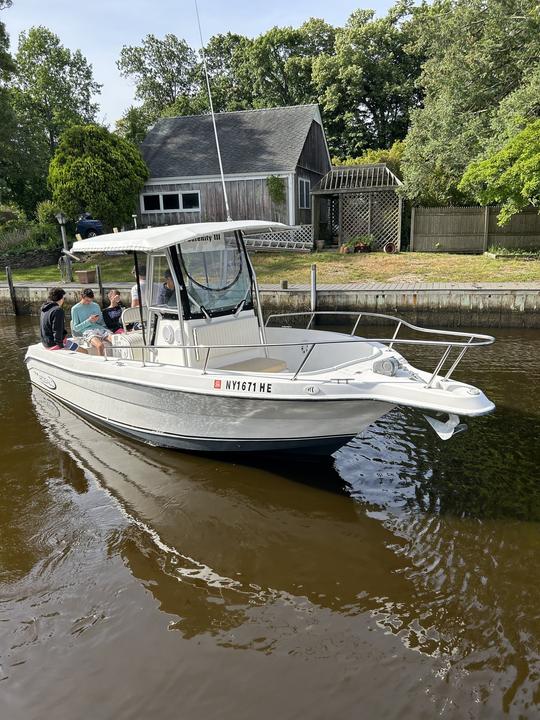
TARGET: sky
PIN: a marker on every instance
(99, 28)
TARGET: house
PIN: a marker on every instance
(185, 183)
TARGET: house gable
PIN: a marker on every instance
(315, 155)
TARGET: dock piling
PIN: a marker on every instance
(12, 290)
(313, 287)
(100, 284)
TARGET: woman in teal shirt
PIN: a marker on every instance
(87, 321)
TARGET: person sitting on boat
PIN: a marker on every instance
(135, 300)
(167, 293)
(87, 320)
(112, 315)
(52, 322)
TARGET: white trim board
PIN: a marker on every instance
(216, 178)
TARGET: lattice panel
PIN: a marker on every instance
(333, 216)
(298, 238)
(355, 216)
(374, 214)
(385, 218)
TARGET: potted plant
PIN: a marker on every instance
(358, 243)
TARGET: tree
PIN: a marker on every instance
(96, 171)
(281, 63)
(53, 87)
(516, 110)
(162, 69)
(391, 158)
(510, 176)
(7, 117)
(134, 124)
(368, 87)
(478, 54)
(230, 78)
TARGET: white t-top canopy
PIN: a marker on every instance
(153, 239)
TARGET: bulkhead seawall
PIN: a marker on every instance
(443, 304)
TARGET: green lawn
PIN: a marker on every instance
(334, 268)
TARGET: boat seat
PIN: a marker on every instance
(257, 364)
(132, 315)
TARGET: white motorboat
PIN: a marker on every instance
(205, 373)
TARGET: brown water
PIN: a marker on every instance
(401, 581)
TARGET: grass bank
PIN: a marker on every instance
(334, 268)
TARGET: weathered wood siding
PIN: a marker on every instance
(471, 229)
(248, 200)
(313, 164)
(302, 216)
(314, 155)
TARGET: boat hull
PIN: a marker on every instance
(208, 423)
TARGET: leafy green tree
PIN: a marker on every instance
(229, 72)
(516, 110)
(510, 176)
(163, 71)
(134, 124)
(478, 55)
(368, 87)
(29, 157)
(391, 158)
(96, 171)
(281, 63)
(54, 87)
(7, 117)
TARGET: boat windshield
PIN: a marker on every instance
(217, 279)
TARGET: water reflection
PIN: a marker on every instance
(400, 463)
(225, 527)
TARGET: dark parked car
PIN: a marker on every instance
(88, 227)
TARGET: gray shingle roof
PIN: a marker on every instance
(251, 141)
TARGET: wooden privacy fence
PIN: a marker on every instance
(472, 229)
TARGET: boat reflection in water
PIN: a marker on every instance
(253, 559)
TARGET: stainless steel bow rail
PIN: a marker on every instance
(466, 342)
(473, 339)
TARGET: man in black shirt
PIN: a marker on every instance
(52, 320)
(112, 315)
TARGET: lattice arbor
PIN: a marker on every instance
(368, 203)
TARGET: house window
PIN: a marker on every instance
(190, 201)
(151, 202)
(187, 201)
(304, 190)
(171, 201)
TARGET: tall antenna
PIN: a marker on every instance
(229, 218)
